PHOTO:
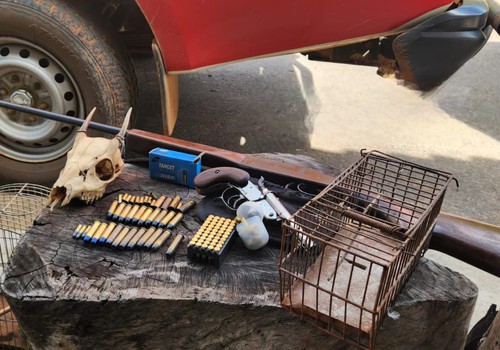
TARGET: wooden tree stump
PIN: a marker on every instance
(68, 294)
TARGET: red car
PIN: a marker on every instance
(68, 56)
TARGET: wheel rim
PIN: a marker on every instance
(32, 77)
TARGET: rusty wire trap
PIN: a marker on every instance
(20, 204)
(346, 253)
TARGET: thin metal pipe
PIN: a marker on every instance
(60, 118)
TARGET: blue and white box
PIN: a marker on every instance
(173, 166)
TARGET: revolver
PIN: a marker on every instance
(235, 188)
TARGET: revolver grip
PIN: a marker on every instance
(215, 180)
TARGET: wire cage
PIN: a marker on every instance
(346, 254)
(20, 204)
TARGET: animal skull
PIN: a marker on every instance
(92, 164)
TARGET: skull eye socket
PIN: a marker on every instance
(104, 170)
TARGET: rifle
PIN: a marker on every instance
(473, 242)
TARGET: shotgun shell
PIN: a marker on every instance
(175, 202)
(116, 231)
(118, 210)
(153, 238)
(157, 203)
(162, 239)
(136, 238)
(83, 231)
(120, 236)
(160, 217)
(107, 232)
(139, 213)
(111, 210)
(187, 206)
(98, 233)
(174, 245)
(166, 219)
(77, 230)
(175, 221)
(124, 212)
(166, 203)
(128, 237)
(152, 217)
(132, 213)
(91, 232)
(145, 216)
(146, 236)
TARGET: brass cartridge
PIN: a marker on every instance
(175, 221)
(125, 212)
(139, 214)
(157, 203)
(120, 198)
(174, 245)
(118, 210)
(77, 230)
(162, 239)
(160, 217)
(153, 238)
(116, 231)
(166, 203)
(120, 236)
(99, 233)
(112, 209)
(166, 219)
(132, 243)
(132, 199)
(91, 232)
(175, 202)
(126, 197)
(187, 206)
(146, 236)
(152, 217)
(131, 213)
(145, 216)
(128, 237)
(107, 232)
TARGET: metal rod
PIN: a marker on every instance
(60, 118)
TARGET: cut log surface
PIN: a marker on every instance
(69, 294)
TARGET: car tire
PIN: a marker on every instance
(69, 63)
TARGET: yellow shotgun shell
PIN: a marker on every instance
(98, 233)
(107, 232)
(91, 232)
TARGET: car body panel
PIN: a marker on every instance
(198, 33)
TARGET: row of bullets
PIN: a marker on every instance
(127, 237)
(161, 212)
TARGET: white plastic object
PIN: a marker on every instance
(251, 229)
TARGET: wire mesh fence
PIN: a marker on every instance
(20, 204)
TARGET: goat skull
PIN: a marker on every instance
(92, 163)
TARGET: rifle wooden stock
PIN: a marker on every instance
(471, 241)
